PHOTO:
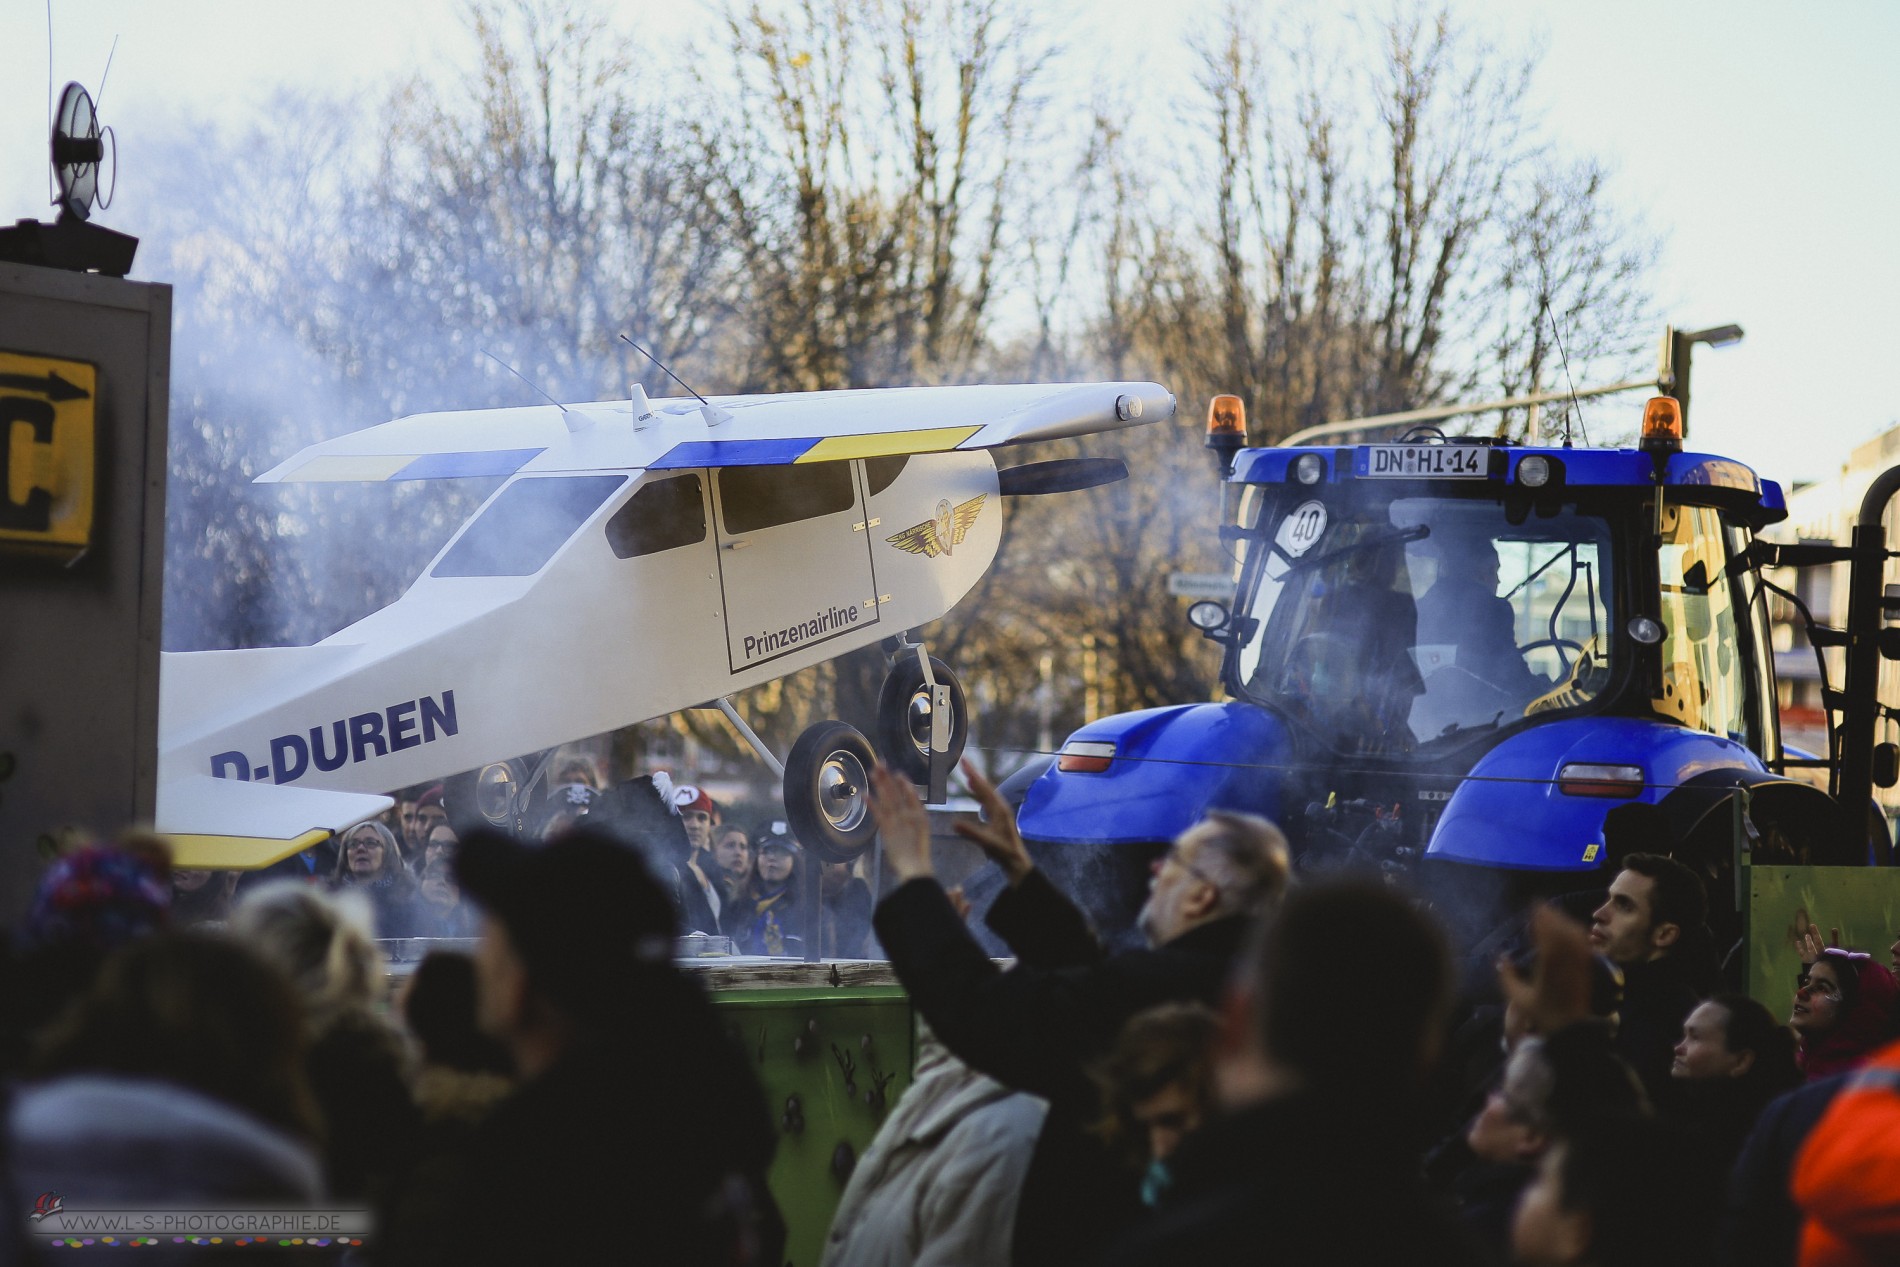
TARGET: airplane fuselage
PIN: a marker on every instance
(574, 604)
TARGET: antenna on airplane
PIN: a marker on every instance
(714, 414)
(524, 378)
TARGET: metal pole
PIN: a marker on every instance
(1681, 347)
(811, 906)
(1860, 710)
(758, 745)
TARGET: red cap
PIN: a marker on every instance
(686, 796)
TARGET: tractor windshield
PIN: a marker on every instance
(1398, 625)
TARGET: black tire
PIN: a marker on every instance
(828, 791)
(903, 717)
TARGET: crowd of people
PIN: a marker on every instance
(1286, 1065)
(728, 879)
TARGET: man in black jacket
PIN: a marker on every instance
(1340, 1015)
(1655, 908)
(639, 1131)
(1037, 1026)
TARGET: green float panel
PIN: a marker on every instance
(832, 1060)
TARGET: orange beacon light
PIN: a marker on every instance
(1226, 430)
(1662, 425)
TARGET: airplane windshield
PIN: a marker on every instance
(525, 524)
(1407, 624)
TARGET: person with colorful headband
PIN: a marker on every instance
(1844, 1009)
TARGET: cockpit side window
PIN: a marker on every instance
(663, 515)
(525, 524)
(881, 473)
(752, 498)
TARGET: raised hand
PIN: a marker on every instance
(1558, 989)
(902, 823)
(996, 835)
(1809, 942)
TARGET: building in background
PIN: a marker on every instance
(1824, 512)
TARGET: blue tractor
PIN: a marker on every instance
(1455, 657)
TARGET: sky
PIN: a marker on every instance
(1757, 139)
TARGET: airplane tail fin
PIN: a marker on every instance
(230, 825)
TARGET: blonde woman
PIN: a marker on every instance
(358, 1063)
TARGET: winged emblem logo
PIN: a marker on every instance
(942, 534)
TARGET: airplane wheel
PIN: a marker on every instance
(828, 791)
(903, 717)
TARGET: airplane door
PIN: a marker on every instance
(795, 566)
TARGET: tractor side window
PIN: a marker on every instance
(662, 515)
(752, 498)
(1705, 680)
(525, 524)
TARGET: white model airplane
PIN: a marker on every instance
(640, 558)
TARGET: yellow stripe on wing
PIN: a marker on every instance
(887, 444)
(334, 469)
(236, 853)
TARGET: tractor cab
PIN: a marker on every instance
(1457, 655)
(1409, 602)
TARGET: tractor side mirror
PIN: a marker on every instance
(1886, 764)
(1211, 616)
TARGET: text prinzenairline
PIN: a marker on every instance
(830, 620)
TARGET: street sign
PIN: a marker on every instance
(1201, 585)
(47, 420)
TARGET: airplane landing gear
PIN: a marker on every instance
(828, 791)
(922, 719)
(922, 725)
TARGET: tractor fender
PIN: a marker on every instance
(1795, 823)
(1171, 765)
(1509, 811)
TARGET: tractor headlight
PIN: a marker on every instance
(1534, 471)
(1309, 468)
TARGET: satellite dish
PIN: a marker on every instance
(79, 148)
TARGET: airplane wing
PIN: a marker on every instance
(768, 430)
(227, 824)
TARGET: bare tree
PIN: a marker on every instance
(1371, 280)
(551, 208)
(1570, 291)
(873, 176)
(543, 211)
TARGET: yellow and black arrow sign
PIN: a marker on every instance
(47, 445)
